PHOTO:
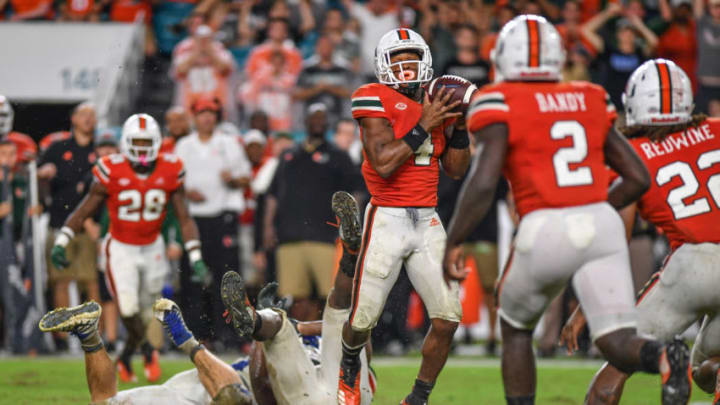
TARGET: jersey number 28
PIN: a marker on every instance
(152, 208)
(690, 185)
(566, 177)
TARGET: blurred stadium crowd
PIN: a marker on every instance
(276, 76)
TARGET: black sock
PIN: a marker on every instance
(147, 350)
(650, 356)
(420, 393)
(528, 400)
(256, 328)
(347, 262)
(351, 355)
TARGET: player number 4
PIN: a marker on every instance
(150, 210)
(690, 186)
(424, 152)
(576, 153)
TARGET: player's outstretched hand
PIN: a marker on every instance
(572, 329)
(436, 111)
(59, 257)
(454, 264)
(201, 273)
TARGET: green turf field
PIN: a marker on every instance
(464, 381)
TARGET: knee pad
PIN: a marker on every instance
(233, 394)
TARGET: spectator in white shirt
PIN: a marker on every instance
(376, 18)
(217, 171)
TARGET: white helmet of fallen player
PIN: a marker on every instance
(658, 93)
(400, 40)
(6, 116)
(528, 48)
(141, 139)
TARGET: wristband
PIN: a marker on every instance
(65, 236)
(195, 255)
(415, 137)
(459, 140)
(192, 244)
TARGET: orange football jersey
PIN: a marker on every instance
(137, 204)
(684, 198)
(414, 184)
(556, 139)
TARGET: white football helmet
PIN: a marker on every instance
(6, 116)
(658, 93)
(140, 126)
(402, 39)
(528, 48)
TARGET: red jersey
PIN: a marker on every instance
(137, 204)
(414, 183)
(556, 138)
(684, 198)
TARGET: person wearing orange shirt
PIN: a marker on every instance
(201, 69)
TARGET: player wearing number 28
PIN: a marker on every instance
(137, 185)
(405, 138)
(552, 140)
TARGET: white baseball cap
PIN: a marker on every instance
(254, 136)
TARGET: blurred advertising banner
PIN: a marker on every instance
(70, 62)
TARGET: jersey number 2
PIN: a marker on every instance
(690, 185)
(153, 205)
(576, 153)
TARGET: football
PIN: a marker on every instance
(462, 90)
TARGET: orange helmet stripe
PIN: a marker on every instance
(665, 88)
(534, 43)
(143, 124)
(403, 34)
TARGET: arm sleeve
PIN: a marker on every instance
(101, 172)
(365, 102)
(487, 108)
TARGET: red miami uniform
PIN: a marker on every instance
(136, 204)
(402, 227)
(555, 163)
(414, 183)
(684, 199)
(556, 137)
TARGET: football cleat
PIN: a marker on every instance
(152, 366)
(239, 312)
(81, 320)
(349, 385)
(125, 372)
(168, 313)
(348, 216)
(676, 373)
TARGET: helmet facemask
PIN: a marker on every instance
(411, 79)
(141, 141)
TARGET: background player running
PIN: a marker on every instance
(137, 186)
(404, 142)
(554, 158)
(682, 153)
